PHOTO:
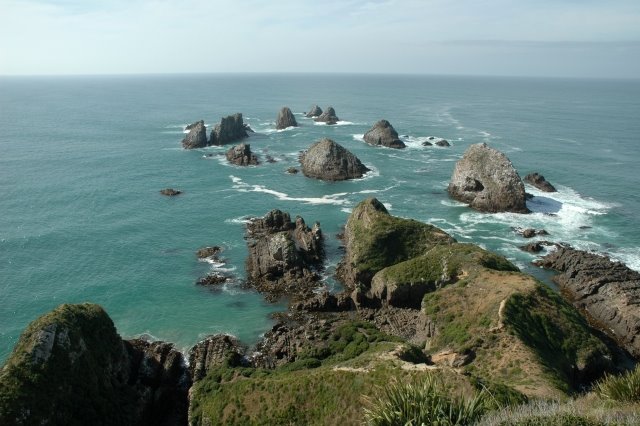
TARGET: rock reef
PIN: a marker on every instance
(241, 155)
(285, 119)
(327, 160)
(486, 180)
(382, 133)
(608, 291)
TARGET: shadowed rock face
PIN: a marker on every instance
(486, 180)
(230, 129)
(212, 352)
(241, 155)
(608, 291)
(285, 119)
(327, 160)
(283, 256)
(383, 133)
(197, 136)
(328, 116)
(539, 182)
(71, 367)
(314, 111)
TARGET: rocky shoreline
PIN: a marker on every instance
(413, 300)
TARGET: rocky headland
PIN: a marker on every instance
(285, 119)
(382, 133)
(327, 160)
(486, 180)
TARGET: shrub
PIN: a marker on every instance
(425, 402)
(624, 388)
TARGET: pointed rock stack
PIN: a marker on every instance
(328, 116)
(197, 136)
(285, 119)
(327, 160)
(383, 133)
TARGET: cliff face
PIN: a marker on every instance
(71, 367)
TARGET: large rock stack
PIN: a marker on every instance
(327, 160)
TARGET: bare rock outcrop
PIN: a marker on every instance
(327, 160)
(383, 133)
(608, 291)
(215, 351)
(486, 180)
(537, 180)
(285, 119)
(328, 116)
(283, 255)
(197, 136)
(314, 111)
(230, 129)
(241, 155)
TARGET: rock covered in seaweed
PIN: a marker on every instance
(327, 160)
(537, 180)
(314, 111)
(197, 136)
(283, 255)
(328, 116)
(241, 155)
(486, 180)
(285, 119)
(230, 129)
(383, 133)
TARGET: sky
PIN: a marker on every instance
(561, 38)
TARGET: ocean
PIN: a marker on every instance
(82, 160)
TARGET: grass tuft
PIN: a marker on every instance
(624, 388)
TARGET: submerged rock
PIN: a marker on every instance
(327, 160)
(314, 111)
(486, 180)
(241, 155)
(197, 136)
(205, 252)
(328, 116)
(608, 291)
(285, 119)
(170, 192)
(539, 182)
(230, 129)
(283, 256)
(383, 133)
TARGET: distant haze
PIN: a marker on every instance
(562, 38)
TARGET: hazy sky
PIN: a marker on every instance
(582, 38)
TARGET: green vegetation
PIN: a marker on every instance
(624, 388)
(423, 403)
(559, 335)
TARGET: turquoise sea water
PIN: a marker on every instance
(82, 160)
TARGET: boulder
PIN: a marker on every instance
(608, 291)
(314, 111)
(328, 116)
(197, 136)
(383, 133)
(486, 180)
(427, 143)
(539, 182)
(215, 351)
(230, 129)
(170, 192)
(327, 160)
(212, 279)
(292, 170)
(534, 247)
(285, 119)
(443, 143)
(374, 239)
(71, 367)
(283, 255)
(206, 252)
(241, 155)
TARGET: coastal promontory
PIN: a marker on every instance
(486, 180)
(328, 160)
